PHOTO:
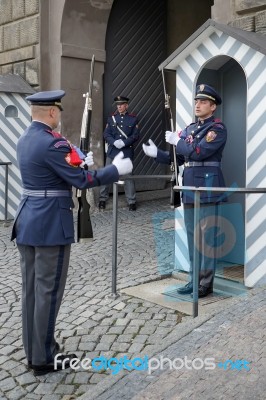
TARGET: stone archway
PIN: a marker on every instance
(76, 31)
(83, 32)
(228, 77)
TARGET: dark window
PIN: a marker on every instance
(11, 112)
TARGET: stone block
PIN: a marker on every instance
(17, 55)
(245, 6)
(19, 69)
(32, 72)
(11, 36)
(245, 23)
(29, 31)
(5, 11)
(7, 69)
(1, 39)
(260, 21)
(31, 7)
(262, 31)
(18, 9)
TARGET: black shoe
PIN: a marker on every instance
(187, 289)
(57, 349)
(132, 207)
(102, 205)
(204, 291)
(60, 363)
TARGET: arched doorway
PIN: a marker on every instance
(135, 46)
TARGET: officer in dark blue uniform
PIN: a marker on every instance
(121, 132)
(43, 225)
(199, 148)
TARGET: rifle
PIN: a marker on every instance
(84, 229)
(175, 199)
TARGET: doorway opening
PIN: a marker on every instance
(227, 76)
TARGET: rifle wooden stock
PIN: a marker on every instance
(175, 198)
(84, 228)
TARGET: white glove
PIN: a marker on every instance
(171, 137)
(124, 165)
(89, 159)
(119, 144)
(150, 150)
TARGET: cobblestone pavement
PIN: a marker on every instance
(92, 323)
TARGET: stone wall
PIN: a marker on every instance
(19, 39)
(20, 31)
(250, 15)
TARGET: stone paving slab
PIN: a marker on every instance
(88, 324)
(163, 292)
(236, 333)
(92, 323)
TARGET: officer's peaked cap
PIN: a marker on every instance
(208, 93)
(48, 98)
(121, 99)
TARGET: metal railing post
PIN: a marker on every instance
(115, 213)
(6, 164)
(197, 191)
(196, 256)
(114, 242)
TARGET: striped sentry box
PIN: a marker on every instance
(11, 128)
(249, 50)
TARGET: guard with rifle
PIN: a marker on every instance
(121, 133)
(199, 148)
(44, 226)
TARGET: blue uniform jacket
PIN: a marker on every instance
(45, 162)
(129, 125)
(200, 142)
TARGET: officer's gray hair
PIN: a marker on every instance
(40, 110)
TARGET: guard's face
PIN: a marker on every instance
(204, 108)
(122, 108)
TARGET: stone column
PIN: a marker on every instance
(223, 11)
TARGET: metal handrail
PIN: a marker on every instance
(6, 164)
(197, 191)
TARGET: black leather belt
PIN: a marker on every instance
(47, 193)
(202, 164)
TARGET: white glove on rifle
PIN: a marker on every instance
(171, 137)
(124, 165)
(119, 144)
(151, 149)
(89, 159)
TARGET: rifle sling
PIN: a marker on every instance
(118, 128)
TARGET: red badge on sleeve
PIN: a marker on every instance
(73, 158)
(211, 135)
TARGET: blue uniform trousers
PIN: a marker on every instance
(44, 273)
(207, 241)
(130, 190)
